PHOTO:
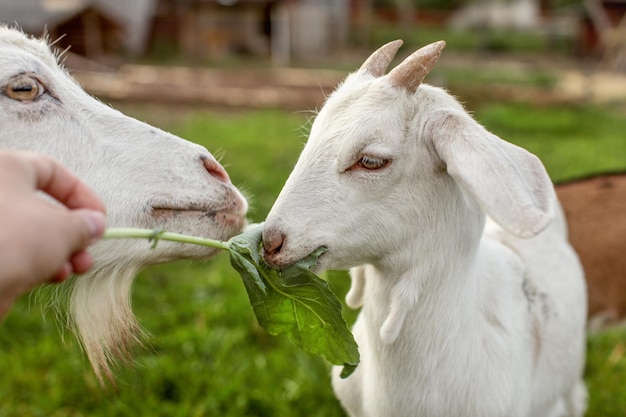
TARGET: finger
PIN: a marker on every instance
(57, 181)
(78, 229)
(94, 220)
(64, 273)
(81, 262)
(88, 226)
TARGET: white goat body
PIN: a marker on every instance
(462, 315)
(146, 177)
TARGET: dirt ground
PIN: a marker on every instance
(306, 89)
(285, 88)
(596, 212)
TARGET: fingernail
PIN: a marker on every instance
(95, 221)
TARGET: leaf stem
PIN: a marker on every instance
(155, 235)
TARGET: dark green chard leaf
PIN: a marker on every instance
(294, 301)
(248, 270)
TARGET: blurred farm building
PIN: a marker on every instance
(602, 32)
(194, 29)
(285, 31)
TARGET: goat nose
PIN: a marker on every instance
(215, 169)
(273, 240)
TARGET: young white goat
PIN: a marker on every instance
(146, 177)
(458, 318)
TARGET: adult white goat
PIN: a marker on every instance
(147, 178)
(458, 318)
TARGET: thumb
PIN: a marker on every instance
(83, 227)
(89, 225)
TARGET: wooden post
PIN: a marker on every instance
(280, 46)
(93, 34)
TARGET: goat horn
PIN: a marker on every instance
(378, 62)
(412, 71)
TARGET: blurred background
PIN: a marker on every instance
(244, 79)
(133, 40)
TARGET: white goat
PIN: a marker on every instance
(147, 178)
(457, 319)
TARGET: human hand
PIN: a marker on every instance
(40, 240)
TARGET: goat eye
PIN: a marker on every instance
(24, 88)
(371, 163)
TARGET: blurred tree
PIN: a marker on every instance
(406, 13)
(563, 3)
(363, 20)
(423, 4)
(453, 4)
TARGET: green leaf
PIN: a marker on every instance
(243, 261)
(295, 302)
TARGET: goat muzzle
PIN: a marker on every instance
(273, 240)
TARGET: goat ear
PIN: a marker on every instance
(411, 72)
(378, 62)
(509, 183)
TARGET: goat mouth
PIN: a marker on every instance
(223, 215)
(312, 260)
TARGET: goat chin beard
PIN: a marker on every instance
(97, 307)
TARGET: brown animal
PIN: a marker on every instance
(595, 208)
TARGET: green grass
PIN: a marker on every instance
(572, 141)
(258, 149)
(488, 77)
(491, 41)
(606, 373)
(206, 355)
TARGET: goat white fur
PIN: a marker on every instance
(146, 177)
(461, 315)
